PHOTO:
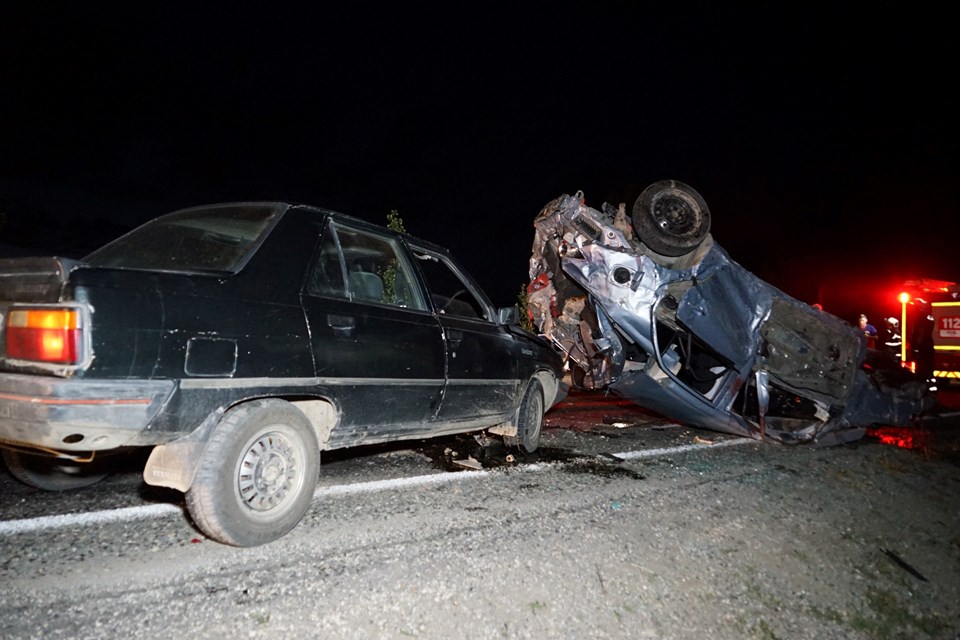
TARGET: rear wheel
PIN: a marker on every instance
(529, 419)
(257, 475)
(53, 474)
(671, 218)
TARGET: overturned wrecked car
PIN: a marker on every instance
(651, 308)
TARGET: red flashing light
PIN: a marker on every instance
(904, 441)
(903, 297)
(51, 335)
(903, 437)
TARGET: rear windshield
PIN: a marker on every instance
(205, 239)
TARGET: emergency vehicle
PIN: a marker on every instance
(930, 328)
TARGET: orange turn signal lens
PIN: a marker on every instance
(44, 318)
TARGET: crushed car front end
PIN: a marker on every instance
(686, 331)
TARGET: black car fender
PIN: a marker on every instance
(174, 464)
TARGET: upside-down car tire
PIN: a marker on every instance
(256, 478)
(529, 419)
(671, 218)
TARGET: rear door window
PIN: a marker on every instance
(364, 267)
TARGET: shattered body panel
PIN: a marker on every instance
(698, 338)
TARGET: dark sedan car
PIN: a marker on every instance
(240, 340)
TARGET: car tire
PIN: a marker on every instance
(671, 218)
(256, 478)
(529, 419)
(52, 474)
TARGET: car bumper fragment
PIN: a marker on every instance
(77, 415)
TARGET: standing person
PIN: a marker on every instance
(869, 332)
(892, 341)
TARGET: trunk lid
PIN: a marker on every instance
(39, 279)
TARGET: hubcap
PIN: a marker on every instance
(267, 472)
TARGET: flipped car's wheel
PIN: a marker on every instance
(52, 474)
(529, 419)
(256, 478)
(671, 218)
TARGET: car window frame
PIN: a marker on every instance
(489, 312)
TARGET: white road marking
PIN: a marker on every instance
(46, 523)
(92, 517)
(396, 483)
(653, 453)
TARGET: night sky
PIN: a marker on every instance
(824, 142)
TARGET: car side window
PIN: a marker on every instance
(450, 294)
(364, 267)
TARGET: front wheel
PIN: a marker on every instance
(529, 419)
(53, 474)
(257, 475)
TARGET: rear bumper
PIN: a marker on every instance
(75, 414)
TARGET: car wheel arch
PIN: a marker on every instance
(537, 396)
(174, 464)
(551, 387)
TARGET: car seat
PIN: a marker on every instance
(366, 286)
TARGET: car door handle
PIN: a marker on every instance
(342, 325)
(454, 338)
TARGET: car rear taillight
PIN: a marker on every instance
(53, 335)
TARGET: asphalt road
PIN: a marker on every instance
(622, 525)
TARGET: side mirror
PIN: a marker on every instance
(508, 316)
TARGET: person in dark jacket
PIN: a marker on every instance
(892, 341)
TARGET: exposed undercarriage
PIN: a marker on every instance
(651, 308)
